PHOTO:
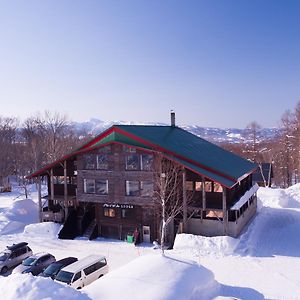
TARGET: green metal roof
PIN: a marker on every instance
(222, 165)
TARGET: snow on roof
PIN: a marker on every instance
(245, 197)
(156, 277)
(83, 263)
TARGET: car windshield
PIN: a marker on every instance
(4, 256)
(64, 276)
(52, 269)
(29, 261)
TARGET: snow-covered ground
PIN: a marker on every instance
(263, 263)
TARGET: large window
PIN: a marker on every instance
(198, 186)
(92, 186)
(146, 188)
(89, 186)
(127, 213)
(102, 187)
(218, 187)
(146, 162)
(132, 188)
(102, 161)
(89, 161)
(109, 212)
(132, 162)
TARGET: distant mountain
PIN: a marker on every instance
(216, 135)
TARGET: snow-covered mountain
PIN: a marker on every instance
(217, 135)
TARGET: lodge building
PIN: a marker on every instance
(107, 187)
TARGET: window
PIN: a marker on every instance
(89, 161)
(77, 276)
(127, 213)
(94, 267)
(102, 187)
(132, 188)
(218, 187)
(102, 161)
(146, 188)
(189, 185)
(89, 186)
(147, 162)
(132, 162)
(59, 179)
(208, 186)
(109, 212)
(214, 214)
(198, 186)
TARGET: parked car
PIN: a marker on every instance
(53, 269)
(83, 272)
(35, 264)
(13, 255)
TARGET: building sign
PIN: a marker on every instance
(116, 205)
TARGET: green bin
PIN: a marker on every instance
(129, 238)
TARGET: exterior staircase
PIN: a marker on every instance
(90, 229)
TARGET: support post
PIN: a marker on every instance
(184, 200)
(51, 185)
(40, 198)
(65, 189)
(203, 194)
(225, 216)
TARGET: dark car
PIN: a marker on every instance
(35, 264)
(54, 268)
(13, 255)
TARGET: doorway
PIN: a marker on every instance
(146, 234)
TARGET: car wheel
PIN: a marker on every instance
(4, 270)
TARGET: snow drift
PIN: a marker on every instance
(18, 215)
(28, 287)
(156, 277)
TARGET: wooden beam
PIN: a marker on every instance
(65, 182)
(65, 189)
(225, 215)
(40, 198)
(203, 194)
(184, 203)
(51, 184)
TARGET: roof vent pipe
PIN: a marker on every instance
(172, 118)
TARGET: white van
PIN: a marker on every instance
(83, 271)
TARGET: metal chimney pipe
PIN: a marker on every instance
(173, 118)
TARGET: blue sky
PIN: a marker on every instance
(216, 63)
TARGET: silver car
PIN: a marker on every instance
(35, 264)
(13, 256)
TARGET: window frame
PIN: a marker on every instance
(105, 182)
(85, 188)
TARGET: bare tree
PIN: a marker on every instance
(8, 129)
(168, 192)
(253, 129)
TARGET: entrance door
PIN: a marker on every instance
(146, 234)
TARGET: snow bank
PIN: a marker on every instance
(216, 246)
(156, 277)
(280, 198)
(48, 229)
(18, 215)
(28, 287)
(25, 211)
